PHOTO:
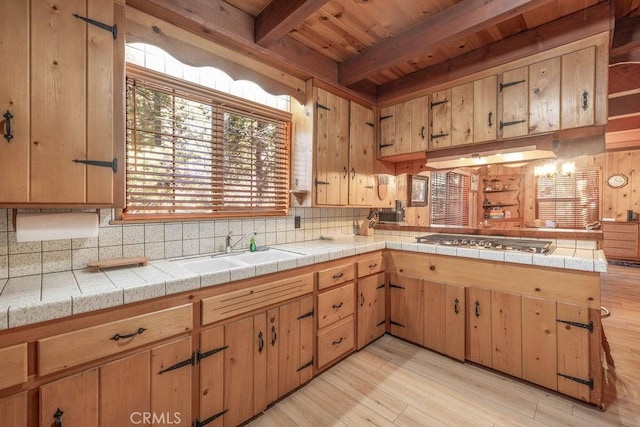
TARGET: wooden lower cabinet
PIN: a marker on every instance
(13, 410)
(73, 401)
(506, 333)
(371, 309)
(539, 342)
(479, 347)
(444, 319)
(406, 307)
(248, 363)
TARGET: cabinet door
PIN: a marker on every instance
(485, 100)
(455, 309)
(171, 390)
(462, 114)
(478, 339)
(238, 371)
(124, 389)
(273, 354)
(212, 376)
(515, 103)
(332, 148)
(406, 319)
(260, 359)
(403, 127)
(573, 351)
(506, 332)
(361, 155)
(578, 88)
(539, 342)
(13, 410)
(419, 124)
(388, 131)
(371, 304)
(434, 316)
(440, 135)
(296, 344)
(73, 400)
(14, 99)
(544, 96)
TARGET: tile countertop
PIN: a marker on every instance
(32, 299)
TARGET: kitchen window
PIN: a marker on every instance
(194, 152)
(449, 198)
(569, 200)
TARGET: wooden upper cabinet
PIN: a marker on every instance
(332, 148)
(361, 155)
(485, 119)
(61, 93)
(440, 136)
(419, 124)
(578, 88)
(544, 96)
(462, 114)
(404, 127)
(388, 131)
(513, 95)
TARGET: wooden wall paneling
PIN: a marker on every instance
(539, 342)
(171, 391)
(14, 97)
(623, 196)
(578, 88)
(544, 96)
(485, 114)
(514, 103)
(58, 102)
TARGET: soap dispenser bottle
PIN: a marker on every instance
(252, 244)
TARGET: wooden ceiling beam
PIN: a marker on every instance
(461, 20)
(594, 20)
(222, 23)
(281, 16)
(626, 36)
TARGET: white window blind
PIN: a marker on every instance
(449, 198)
(571, 201)
(192, 152)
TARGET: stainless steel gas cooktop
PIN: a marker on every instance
(488, 242)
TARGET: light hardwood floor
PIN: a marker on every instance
(394, 383)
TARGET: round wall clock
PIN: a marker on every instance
(617, 180)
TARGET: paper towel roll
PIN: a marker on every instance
(32, 227)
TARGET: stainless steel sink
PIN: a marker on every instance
(213, 263)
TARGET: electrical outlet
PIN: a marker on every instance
(296, 222)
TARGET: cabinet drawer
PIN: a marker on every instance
(335, 341)
(620, 253)
(336, 275)
(13, 365)
(616, 236)
(370, 266)
(82, 346)
(335, 304)
(254, 298)
(619, 244)
(620, 227)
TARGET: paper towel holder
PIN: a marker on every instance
(14, 214)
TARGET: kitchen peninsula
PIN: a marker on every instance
(506, 302)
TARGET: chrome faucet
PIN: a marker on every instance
(229, 247)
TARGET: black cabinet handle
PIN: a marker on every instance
(58, 417)
(374, 265)
(274, 335)
(456, 306)
(361, 299)
(7, 125)
(585, 100)
(422, 132)
(338, 341)
(353, 173)
(260, 342)
(337, 276)
(337, 306)
(477, 308)
(118, 337)
(346, 172)
(490, 119)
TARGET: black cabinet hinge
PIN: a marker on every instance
(385, 117)
(391, 285)
(438, 135)
(324, 107)
(190, 361)
(396, 323)
(198, 423)
(302, 316)
(306, 365)
(386, 145)
(588, 326)
(588, 382)
(206, 354)
(113, 165)
(318, 182)
(380, 323)
(380, 286)
(515, 122)
(370, 124)
(113, 29)
(506, 85)
(435, 104)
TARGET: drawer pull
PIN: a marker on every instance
(337, 306)
(337, 276)
(456, 306)
(260, 342)
(274, 335)
(338, 341)
(374, 265)
(58, 417)
(118, 337)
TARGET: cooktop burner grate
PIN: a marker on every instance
(488, 242)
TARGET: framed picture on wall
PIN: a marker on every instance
(474, 182)
(418, 190)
